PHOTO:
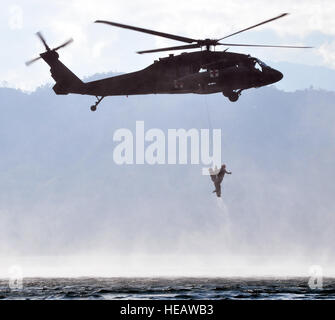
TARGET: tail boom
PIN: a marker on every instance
(66, 81)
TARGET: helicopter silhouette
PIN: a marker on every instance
(200, 72)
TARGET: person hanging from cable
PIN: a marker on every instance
(217, 177)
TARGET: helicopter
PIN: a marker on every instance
(201, 72)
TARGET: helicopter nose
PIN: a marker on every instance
(276, 75)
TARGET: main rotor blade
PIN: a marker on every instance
(254, 26)
(28, 63)
(188, 46)
(64, 44)
(39, 34)
(155, 33)
(260, 45)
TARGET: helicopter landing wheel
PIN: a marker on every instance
(233, 96)
(94, 107)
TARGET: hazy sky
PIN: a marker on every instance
(100, 48)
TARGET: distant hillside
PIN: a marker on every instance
(299, 77)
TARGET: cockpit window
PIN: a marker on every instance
(262, 64)
(258, 64)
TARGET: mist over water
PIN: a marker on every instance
(67, 210)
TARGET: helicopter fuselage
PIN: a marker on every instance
(201, 72)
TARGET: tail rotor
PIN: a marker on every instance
(47, 48)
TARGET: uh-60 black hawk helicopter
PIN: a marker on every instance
(201, 72)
